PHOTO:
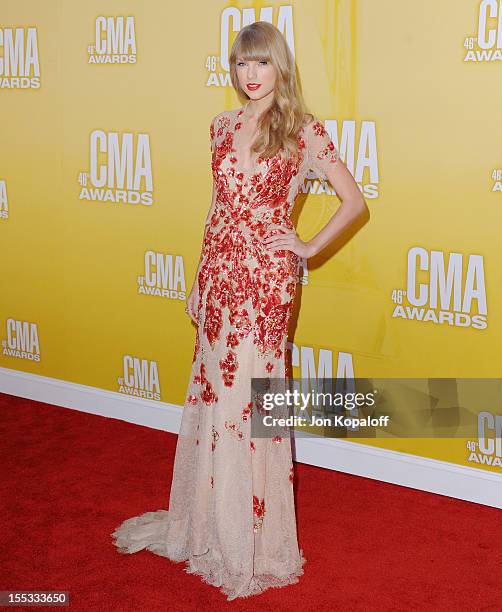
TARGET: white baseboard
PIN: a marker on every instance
(461, 482)
(432, 475)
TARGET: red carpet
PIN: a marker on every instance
(69, 478)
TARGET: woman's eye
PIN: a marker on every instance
(243, 63)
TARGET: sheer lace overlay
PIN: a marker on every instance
(231, 515)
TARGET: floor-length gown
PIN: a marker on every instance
(231, 514)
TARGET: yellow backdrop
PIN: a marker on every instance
(105, 185)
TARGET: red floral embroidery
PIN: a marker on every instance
(277, 439)
(228, 368)
(252, 446)
(291, 288)
(223, 123)
(275, 185)
(213, 322)
(291, 474)
(329, 151)
(271, 325)
(318, 128)
(240, 320)
(232, 339)
(208, 396)
(192, 399)
(234, 429)
(241, 283)
(197, 345)
(247, 411)
(259, 512)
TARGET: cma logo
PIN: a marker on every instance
(490, 36)
(311, 367)
(140, 378)
(488, 449)
(120, 169)
(4, 202)
(443, 292)
(233, 20)
(22, 340)
(490, 433)
(487, 46)
(19, 59)
(115, 41)
(164, 276)
(359, 152)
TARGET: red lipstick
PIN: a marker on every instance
(253, 86)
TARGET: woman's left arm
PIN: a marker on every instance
(324, 158)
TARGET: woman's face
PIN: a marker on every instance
(256, 78)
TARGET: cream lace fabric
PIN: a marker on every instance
(231, 515)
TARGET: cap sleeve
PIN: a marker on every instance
(217, 127)
(322, 153)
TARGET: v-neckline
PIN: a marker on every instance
(248, 173)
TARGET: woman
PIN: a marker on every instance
(231, 512)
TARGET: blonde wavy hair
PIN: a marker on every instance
(278, 126)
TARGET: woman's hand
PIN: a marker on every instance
(288, 240)
(191, 304)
